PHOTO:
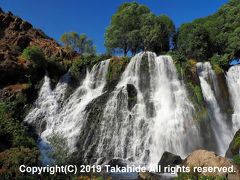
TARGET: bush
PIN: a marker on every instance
(11, 159)
(236, 143)
(218, 62)
(35, 55)
(184, 176)
(236, 159)
(82, 62)
(11, 130)
(116, 67)
(197, 92)
(60, 149)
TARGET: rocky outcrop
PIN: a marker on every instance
(15, 35)
(234, 146)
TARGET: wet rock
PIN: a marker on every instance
(169, 159)
(132, 96)
(117, 162)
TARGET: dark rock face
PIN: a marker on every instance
(234, 146)
(169, 159)
(117, 162)
(132, 96)
(89, 137)
(144, 82)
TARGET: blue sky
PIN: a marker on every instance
(55, 17)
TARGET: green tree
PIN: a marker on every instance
(216, 35)
(134, 28)
(157, 32)
(234, 42)
(123, 32)
(194, 42)
(79, 43)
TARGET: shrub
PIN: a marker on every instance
(197, 92)
(236, 159)
(80, 63)
(116, 67)
(35, 55)
(11, 159)
(60, 149)
(236, 143)
(184, 176)
(12, 129)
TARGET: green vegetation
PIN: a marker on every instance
(215, 37)
(193, 41)
(236, 159)
(82, 62)
(134, 28)
(189, 176)
(60, 149)
(11, 129)
(184, 176)
(116, 67)
(196, 89)
(236, 143)
(35, 55)
(79, 43)
(16, 147)
(11, 159)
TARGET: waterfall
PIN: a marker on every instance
(54, 116)
(160, 120)
(147, 113)
(209, 86)
(233, 81)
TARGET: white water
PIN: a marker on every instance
(209, 88)
(66, 118)
(140, 135)
(161, 120)
(233, 80)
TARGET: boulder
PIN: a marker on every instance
(169, 159)
(203, 158)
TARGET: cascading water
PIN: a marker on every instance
(209, 88)
(233, 80)
(146, 114)
(160, 120)
(66, 119)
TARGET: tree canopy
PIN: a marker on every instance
(79, 43)
(218, 34)
(134, 28)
